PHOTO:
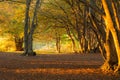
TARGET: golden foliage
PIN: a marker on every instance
(7, 45)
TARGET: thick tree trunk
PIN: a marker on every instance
(112, 31)
(26, 27)
(111, 41)
(30, 34)
(111, 56)
(30, 46)
(29, 29)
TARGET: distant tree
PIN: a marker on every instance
(12, 24)
(70, 17)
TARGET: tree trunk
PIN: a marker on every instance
(73, 41)
(79, 38)
(111, 56)
(99, 32)
(84, 29)
(30, 46)
(33, 26)
(111, 41)
(29, 29)
(58, 46)
(19, 43)
(112, 31)
(26, 27)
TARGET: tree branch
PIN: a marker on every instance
(95, 8)
(22, 2)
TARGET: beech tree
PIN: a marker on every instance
(29, 27)
(104, 20)
(109, 32)
(112, 43)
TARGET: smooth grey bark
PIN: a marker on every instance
(29, 28)
(33, 26)
(26, 27)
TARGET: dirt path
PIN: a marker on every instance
(52, 67)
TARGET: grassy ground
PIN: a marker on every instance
(53, 67)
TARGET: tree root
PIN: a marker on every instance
(106, 67)
(29, 54)
(117, 70)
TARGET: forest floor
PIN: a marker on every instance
(53, 67)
